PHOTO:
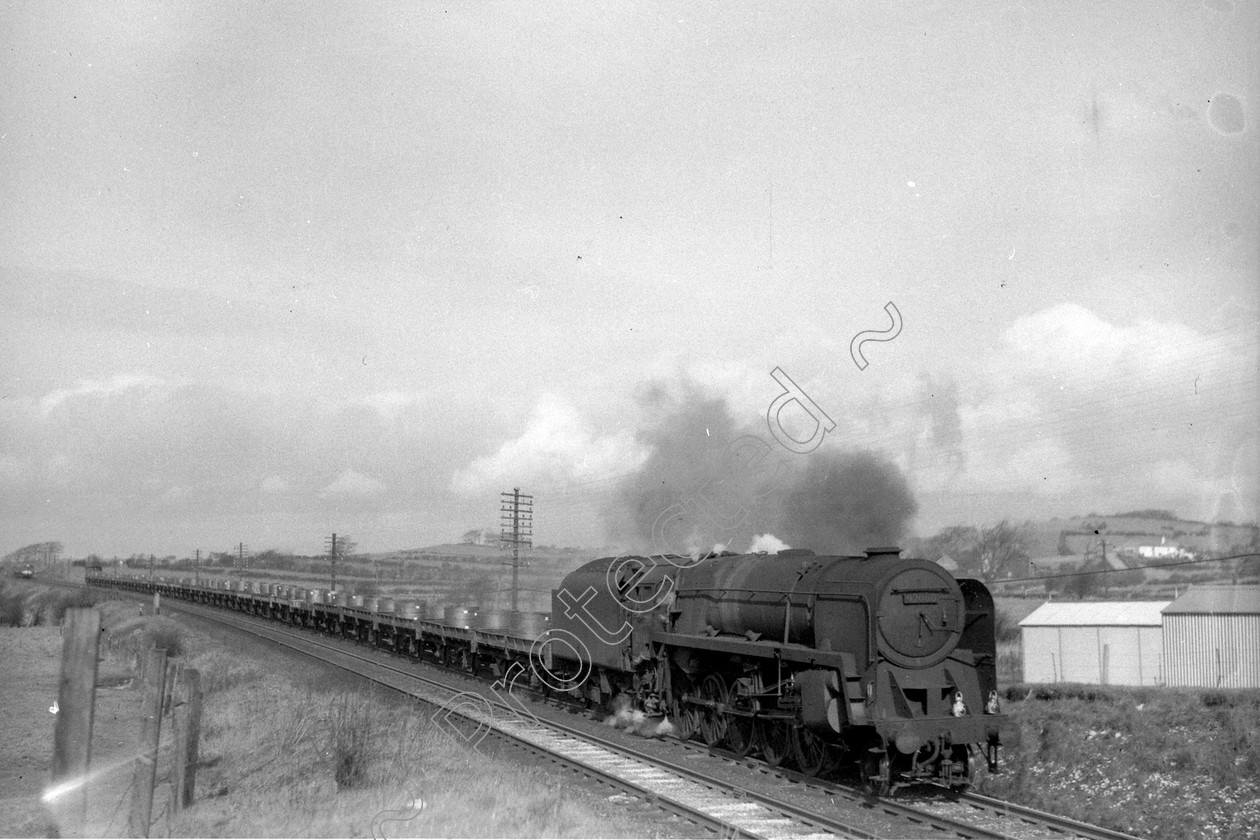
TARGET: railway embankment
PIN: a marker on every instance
(1160, 763)
(286, 750)
(287, 754)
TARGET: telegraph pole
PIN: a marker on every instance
(333, 554)
(197, 567)
(1106, 567)
(335, 545)
(517, 515)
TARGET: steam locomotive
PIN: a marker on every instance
(879, 661)
(885, 662)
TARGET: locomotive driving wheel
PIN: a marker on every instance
(740, 736)
(686, 718)
(713, 720)
(813, 754)
(774, 738)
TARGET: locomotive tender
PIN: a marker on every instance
(885, 662)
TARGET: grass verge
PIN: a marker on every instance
(286, 757)
(1155, 762)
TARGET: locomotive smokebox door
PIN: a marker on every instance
(920, 617)
(820, 701)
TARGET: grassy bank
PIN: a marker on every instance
(285, 752)
(284, 756)
(31, 604)
(1157, 763)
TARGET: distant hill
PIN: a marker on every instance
(1057, 541)
(1130, 531)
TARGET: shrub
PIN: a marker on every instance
(79, 599)
(10, 609)
(220, 671)
(349, 727)
(135, 635)
(1006, 628)
(1060, 691)
(167, 637)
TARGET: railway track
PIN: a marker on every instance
(1001, 818)
(980, 807)
(709, 804)
(723, 806)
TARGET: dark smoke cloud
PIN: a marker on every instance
(844, 502)
(687, 435)
(711, 481)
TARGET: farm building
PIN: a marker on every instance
(1212, 638)
(1100, 642)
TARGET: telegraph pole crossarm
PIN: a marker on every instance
(517, 515)
(335, 545)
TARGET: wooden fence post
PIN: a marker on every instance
(147, 753)
(76, 695)
(187, 737)
(173, 670)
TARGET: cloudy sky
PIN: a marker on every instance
(272, 270)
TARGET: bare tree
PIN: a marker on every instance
(1002, 550)
(959, 542)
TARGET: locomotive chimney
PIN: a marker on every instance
(884, 552)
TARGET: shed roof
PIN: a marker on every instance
(1219, 600)
(1097, 613)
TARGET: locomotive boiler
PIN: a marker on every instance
(879, 660)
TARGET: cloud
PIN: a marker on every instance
(175, 495)
(116, 384)
(1070, 405)
(559, 445)
(352, 483)
(390, 404)
(274, 485)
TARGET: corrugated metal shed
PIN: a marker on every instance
(1099, 642)
(1217, 600)
(1096, 614)
(1212, 638)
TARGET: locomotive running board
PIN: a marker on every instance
(741, 646)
